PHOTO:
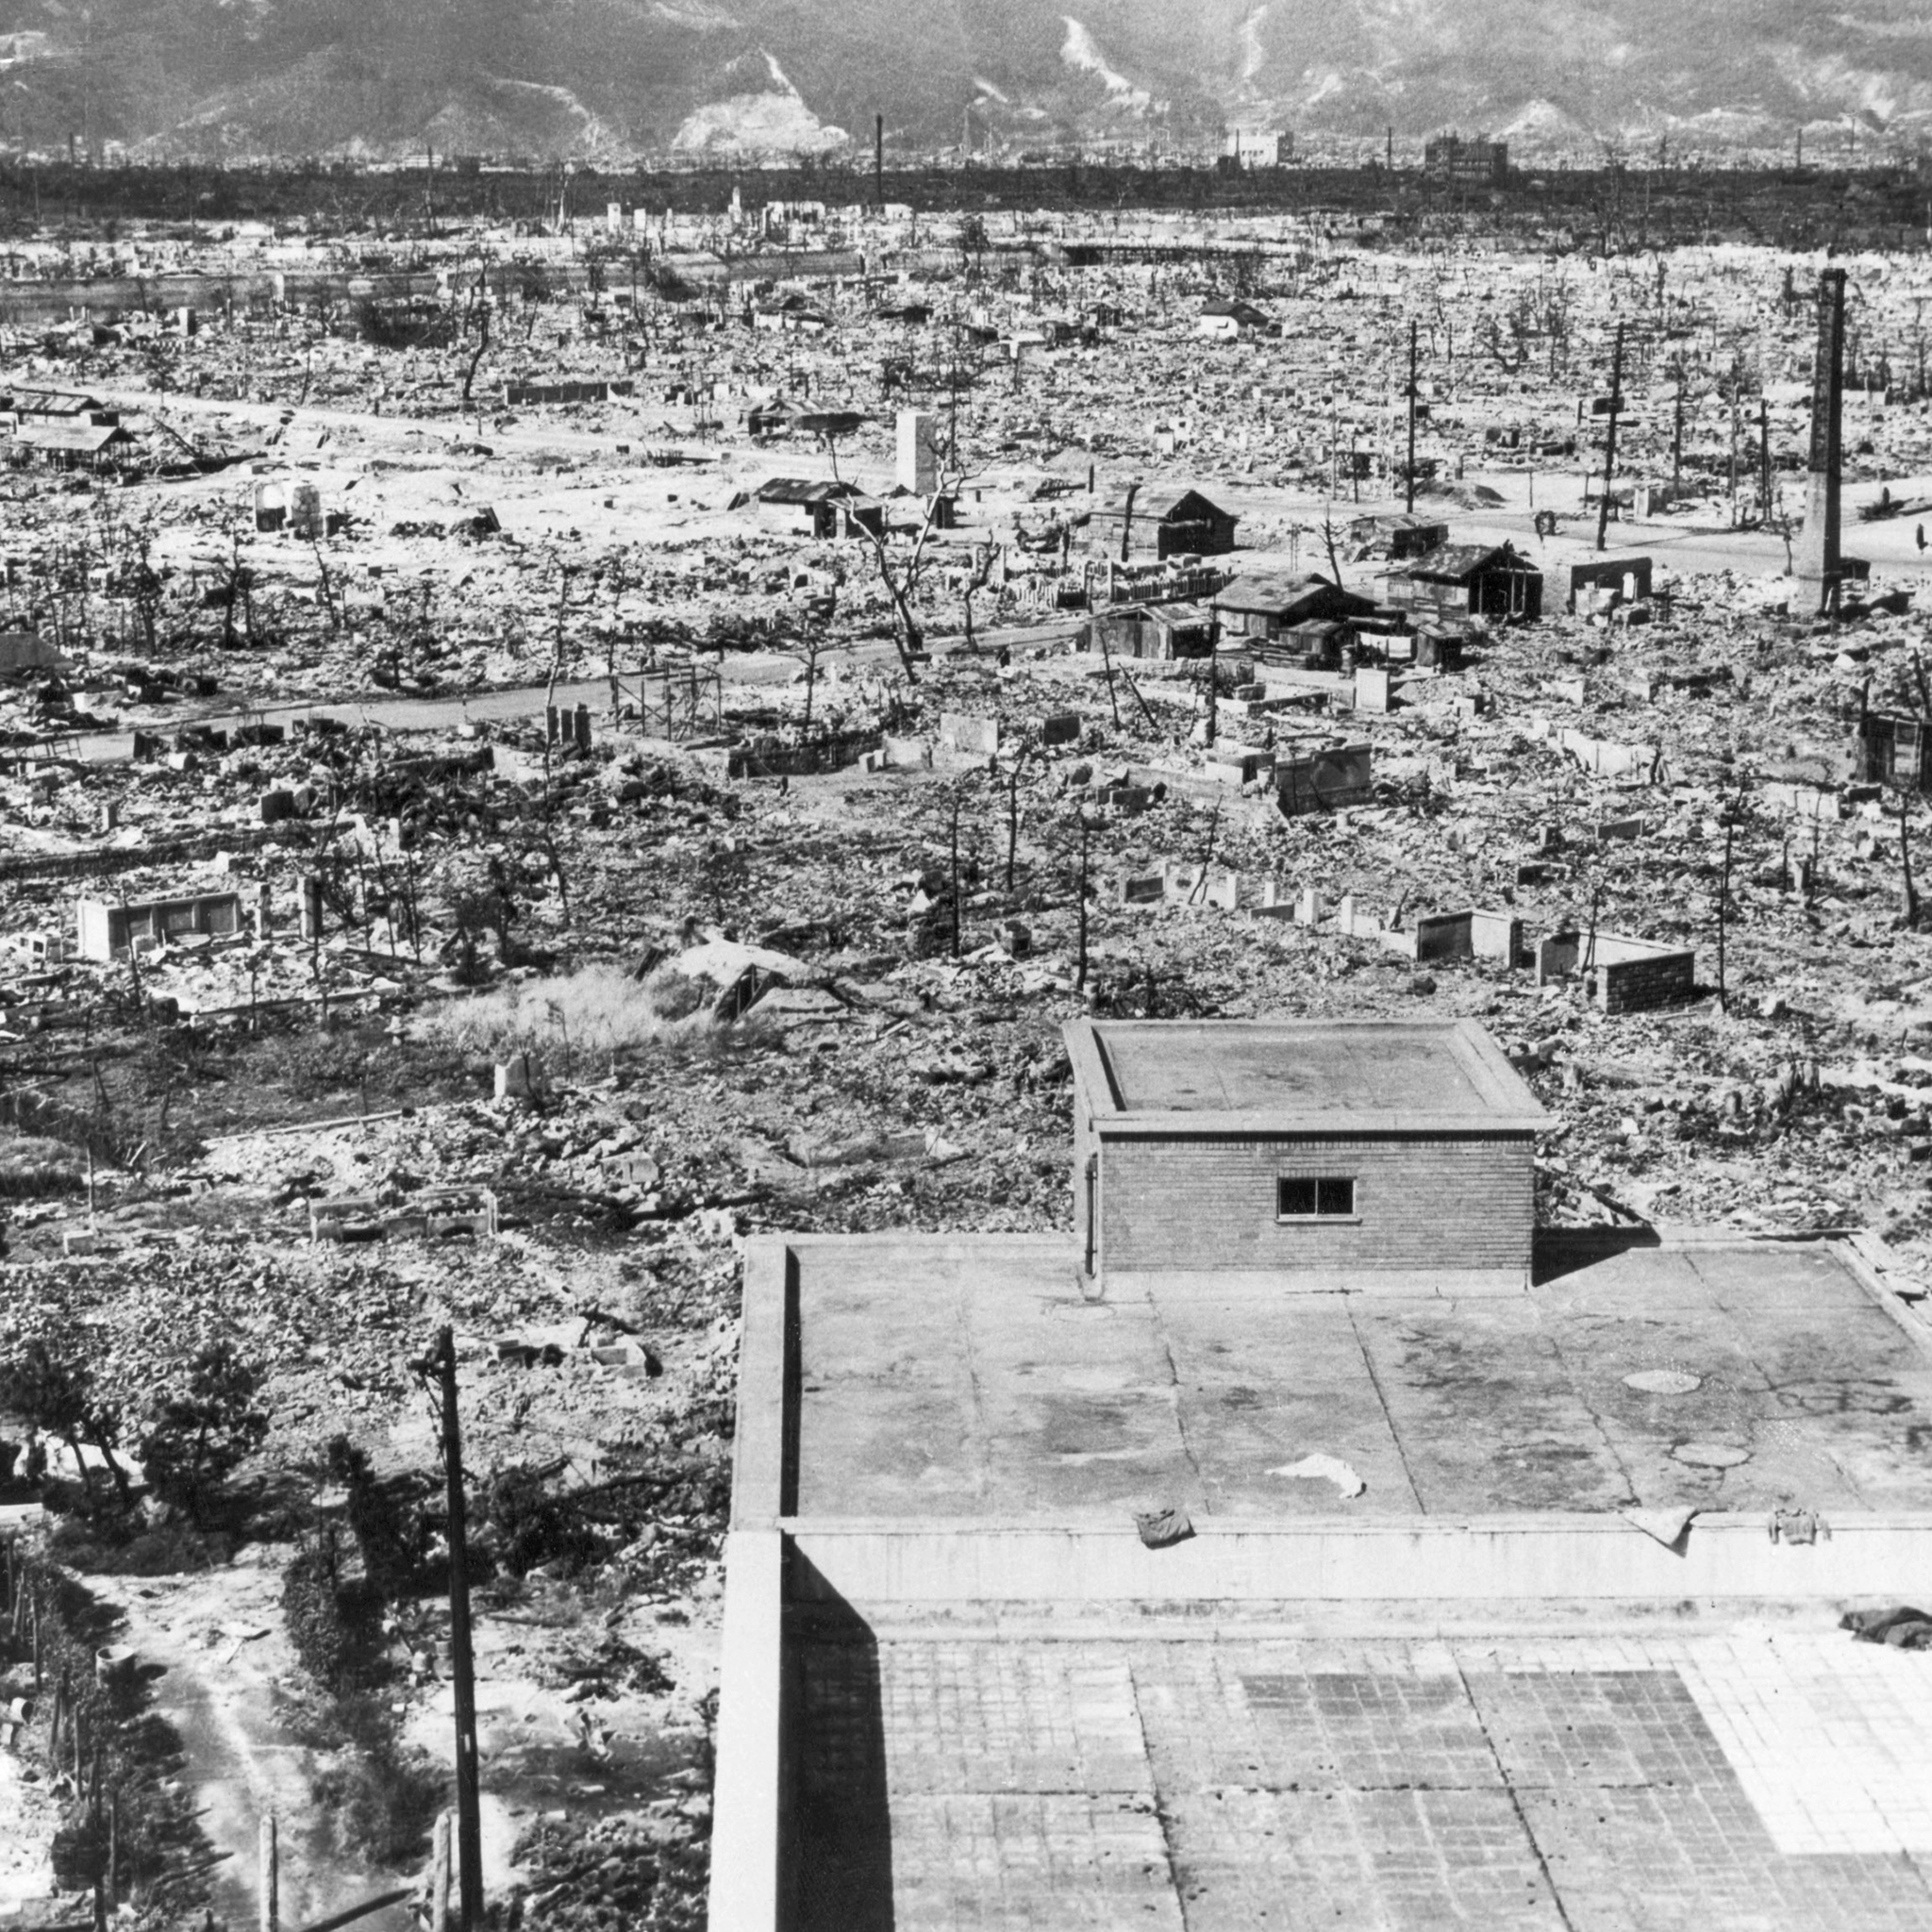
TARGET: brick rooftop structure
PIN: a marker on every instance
(1315, 1154)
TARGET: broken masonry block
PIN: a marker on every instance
(1373, 690)
(1060, 728)
(1143, 889)
(1015, 938)
(907, 754)
(960, 731)
(1237, 767)
(105, 931)
(1495, 936)
(1312, 908)
(276, 805)
(513, 1080)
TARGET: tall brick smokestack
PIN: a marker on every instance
(1818, 556)
(879, 160)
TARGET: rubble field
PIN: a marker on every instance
(512, 784)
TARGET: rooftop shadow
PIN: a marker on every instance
(841, 1828)
(1561, 1251)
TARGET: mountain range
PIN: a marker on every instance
(618, 80)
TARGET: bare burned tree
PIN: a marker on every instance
(984, 558)
(901, 570)
(477, 315)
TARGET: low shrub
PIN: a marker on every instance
(565, 1020)
(334, 1624)
(382, 1795)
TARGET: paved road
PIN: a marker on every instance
(526, 701)
(530, 431)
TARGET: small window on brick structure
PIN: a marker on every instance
(1314, 1197)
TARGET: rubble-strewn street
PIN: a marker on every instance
(526, 760)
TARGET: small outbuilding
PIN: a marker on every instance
(1290, 1157)
(1186, 524)
(1160, 631)
(1473, 579)
(1263, 604)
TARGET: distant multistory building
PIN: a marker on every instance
(1480, 161)
(1246, 147)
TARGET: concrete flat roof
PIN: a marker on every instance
(1287, 1076)
(955, 1379)
(1501, 1684)
(1680, 1771)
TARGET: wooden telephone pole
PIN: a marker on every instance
(441, 1362)
(1408, 501)
(1602, 508)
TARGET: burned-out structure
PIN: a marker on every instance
(1478, 161)
(106, 930)
(1394, 536)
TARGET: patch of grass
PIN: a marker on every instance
(32, 1164)
(567, 1021)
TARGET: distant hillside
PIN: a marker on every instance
(617, 78)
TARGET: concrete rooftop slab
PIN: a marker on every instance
(969, 1379)
(1307, 1071)
(1727, 1777)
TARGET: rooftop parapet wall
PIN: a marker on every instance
(1492, 1558)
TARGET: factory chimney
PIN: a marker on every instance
(1819, 565)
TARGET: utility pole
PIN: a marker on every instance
(269, 1886)
(1408, 502)
(441, 1362)
(878, 162)
(1080, 982)
(1678, 433)
(1734, 449)
(1602, 508)
(1763, 463)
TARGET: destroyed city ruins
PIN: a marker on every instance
(1027, 1034)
